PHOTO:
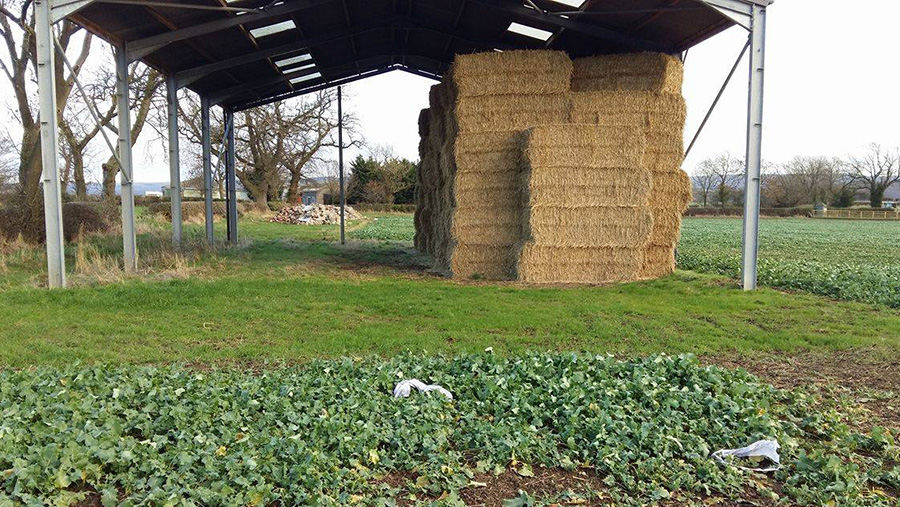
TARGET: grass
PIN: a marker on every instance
(296, 299)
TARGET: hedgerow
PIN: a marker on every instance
(326, 432)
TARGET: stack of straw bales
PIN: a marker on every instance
(538, 168)
(643, 91)
(476, 114)
(585, 216)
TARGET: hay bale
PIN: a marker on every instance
(588, 226)
(579, 186)
(671, 190)
(657, 72)
(493, 262)
(554, 264)
(487, 152)
(658, 112)
(512, 73)
(507, 113)
(658, 262)
(583, 146)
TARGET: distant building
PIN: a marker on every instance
(153, 193)
(193, 189)
(315, 196)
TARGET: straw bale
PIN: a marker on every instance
(671, 190)
(508, 113)
(494, 262)
(580, 186)
(666, 228)
(588, 226)
(657, 72)
(554, 264)
(512, 73)
(583, 146)
(424, 122)
(658, 262)
(487, 152)
(657, 111)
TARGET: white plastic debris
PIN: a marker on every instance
(404, 388)
(763, 448)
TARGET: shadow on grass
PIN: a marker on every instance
(364, 257)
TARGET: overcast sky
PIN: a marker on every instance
(832, 86)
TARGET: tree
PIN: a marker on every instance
(190, 126)
(812, 175)
(704, 181)
(145, 83)
(363, 170)
(18, 65)
(314, 128)
(77, 133)
(876, 171)
(722, 169)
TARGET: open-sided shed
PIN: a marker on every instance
(239, 54)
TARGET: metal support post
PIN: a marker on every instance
(341, 160)
(230, 179)
(128, 235)
(53, 221)
(754, 147)
(207, 168)
(174, 162)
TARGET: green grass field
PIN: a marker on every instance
(290, 292)
(267, 367)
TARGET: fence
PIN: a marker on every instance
(859, 214)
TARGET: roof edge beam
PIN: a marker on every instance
(739, 11)
(229, 94)
(60, 9)
(521, 12)
(142, 47)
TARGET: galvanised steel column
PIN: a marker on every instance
(174, 161)
(341, 161)
(230, 179)
(128, 235)
(754, 148)
(46, 75)
(207, 168)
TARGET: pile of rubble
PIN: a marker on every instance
(314, 214)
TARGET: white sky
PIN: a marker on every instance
(832, 86)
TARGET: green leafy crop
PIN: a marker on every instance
(325, 433)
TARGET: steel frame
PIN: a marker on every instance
(751, 15)
(174, 159)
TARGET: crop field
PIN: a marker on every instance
(841, 259)
(387, 227)
(588, 428)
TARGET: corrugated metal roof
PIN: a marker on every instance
(229, 56)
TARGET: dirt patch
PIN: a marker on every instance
(872, 380)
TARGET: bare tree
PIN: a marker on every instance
(722, 169)
(876, 171)
(145, 84)
(704, 181)
(812, 175)
(18, 65)
(190, 126)
(78, 128)
(277, 143)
